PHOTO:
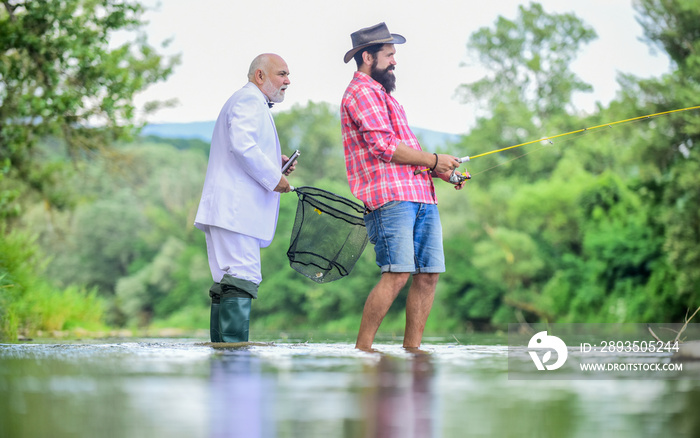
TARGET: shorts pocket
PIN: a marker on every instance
(370, 225)
(389, 205)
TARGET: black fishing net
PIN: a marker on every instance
(328, 237)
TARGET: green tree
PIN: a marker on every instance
(132, 236)
(518, 219)
(59, 77)
(671, 25)
(529, 87)
(669, 153)
(66, 93)
(314, 129)
(529, 61)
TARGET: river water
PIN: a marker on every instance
(325, 388)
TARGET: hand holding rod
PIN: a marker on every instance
(419, 171)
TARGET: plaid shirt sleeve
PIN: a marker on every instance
(369, 111)
(373, 124)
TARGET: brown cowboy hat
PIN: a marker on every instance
(377, 34)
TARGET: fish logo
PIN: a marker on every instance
(541, 341)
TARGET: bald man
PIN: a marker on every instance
(240, 199)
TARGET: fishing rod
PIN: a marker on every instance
(457, 177)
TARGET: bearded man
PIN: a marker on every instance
(381, 155)
(240, 199)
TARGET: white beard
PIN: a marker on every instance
(274, 94)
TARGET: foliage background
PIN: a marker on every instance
(602, 227)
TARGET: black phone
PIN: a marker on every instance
(291, 161)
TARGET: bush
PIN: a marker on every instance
(28, 303)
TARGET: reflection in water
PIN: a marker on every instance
(186, 389)
(397, 402)
(256, 398)
(240, 397)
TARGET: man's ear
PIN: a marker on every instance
(367, 58)
(259, 77)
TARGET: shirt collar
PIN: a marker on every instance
(367, 79)
(260, 93)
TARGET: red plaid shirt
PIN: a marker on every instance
(373, 124)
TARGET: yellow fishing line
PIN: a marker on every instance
(549, 144)
(578, 131)
(610, 124)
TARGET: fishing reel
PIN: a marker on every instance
(457, 178)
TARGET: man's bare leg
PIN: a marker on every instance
(377, 305)
(418, 305)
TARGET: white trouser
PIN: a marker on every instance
(233, 253)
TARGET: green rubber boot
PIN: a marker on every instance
(215, 294)
(234, 308)
(234, 319)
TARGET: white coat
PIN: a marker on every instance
(244, 168)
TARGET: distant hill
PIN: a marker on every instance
(432, 139)
(203, 130)
(200, 130)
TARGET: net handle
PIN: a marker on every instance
(301, 191)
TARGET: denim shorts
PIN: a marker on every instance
(407, 237)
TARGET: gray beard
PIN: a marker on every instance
(274, 94)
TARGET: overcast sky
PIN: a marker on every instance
(217, 39)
